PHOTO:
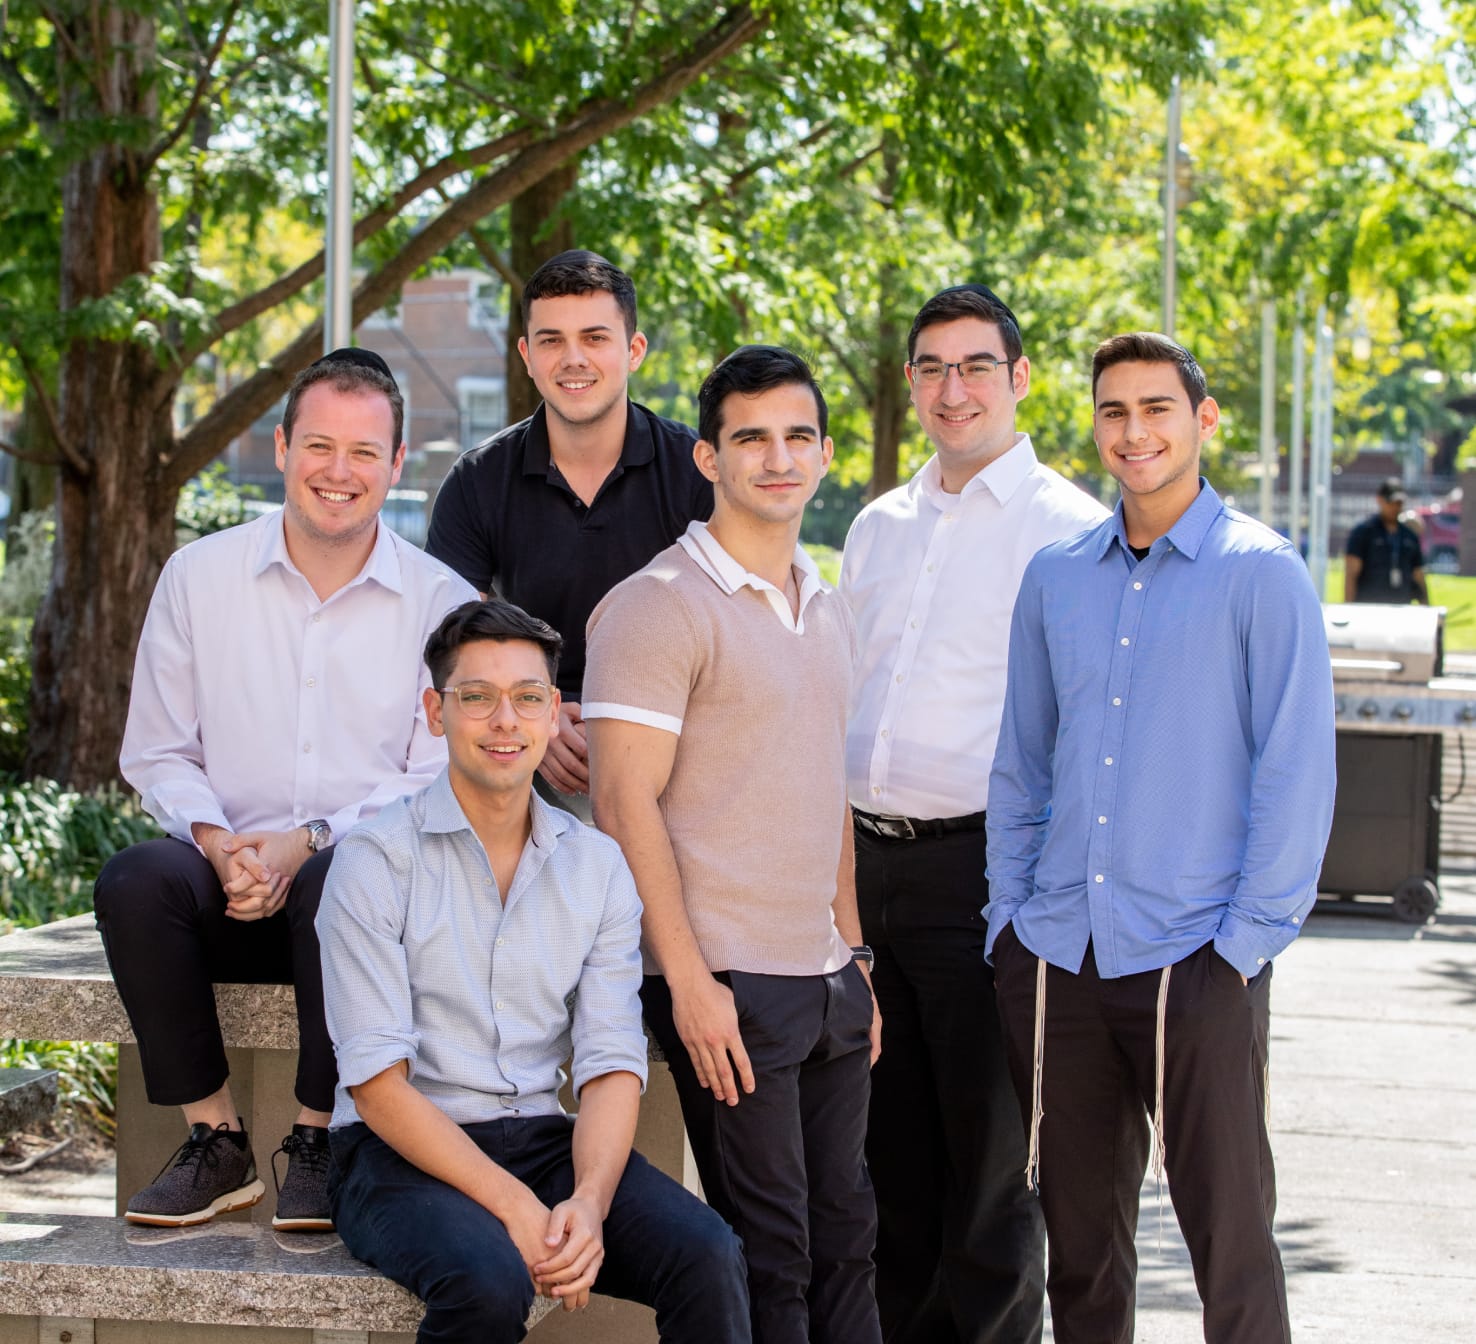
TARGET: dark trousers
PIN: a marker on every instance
(1097, 1092)
(960, 1254)
(162, 916)
(785, 1166)
(663, 1246)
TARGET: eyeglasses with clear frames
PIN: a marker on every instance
(480, 699)
(974, 372)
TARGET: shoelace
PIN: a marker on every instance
(200, 1153)
(312, 1155)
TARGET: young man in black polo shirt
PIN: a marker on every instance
(552, 513)
(1385, 562)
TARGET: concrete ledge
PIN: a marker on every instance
(27, 1096)
(218, 1274)
(55, 986)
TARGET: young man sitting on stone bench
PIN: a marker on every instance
(275, 703)
(472, 935)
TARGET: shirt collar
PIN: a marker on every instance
(638, 449)
(382, 566)
(443, 814)
(730, 576)
(1186, 535)
(1001, 477)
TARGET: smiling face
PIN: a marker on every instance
(968, 426)
(495, 756)
(1148, 436)
(339, 466)
(770, 456)
(580, 356)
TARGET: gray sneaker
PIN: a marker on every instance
(209, 1174)
(302, 1196)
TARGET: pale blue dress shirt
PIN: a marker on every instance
(1165, 770)
(422, 961)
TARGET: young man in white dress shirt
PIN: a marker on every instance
(276, 702)
(931, 571)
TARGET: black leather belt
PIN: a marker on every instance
(914, 828)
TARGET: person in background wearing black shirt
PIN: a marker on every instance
(1385, 562)
(553, 512)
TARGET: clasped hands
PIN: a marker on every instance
(563, 1247)
(255, 868)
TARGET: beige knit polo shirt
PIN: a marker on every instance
(755, 806)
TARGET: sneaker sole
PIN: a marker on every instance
(243, 1198)
(303, 1224)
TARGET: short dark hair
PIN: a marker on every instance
(1148, 347)
(1392, 489)
(751, 369)
(348, 371)
(492, 619)
(949, 305)
(581, 272)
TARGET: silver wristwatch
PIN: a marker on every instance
(320, 835)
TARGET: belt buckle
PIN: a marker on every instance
(899, 828)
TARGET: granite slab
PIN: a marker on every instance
(217, 1274)
(55, 986)
(27, 1096)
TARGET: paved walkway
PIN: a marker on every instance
(1373, 1105)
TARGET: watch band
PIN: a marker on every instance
(863, 953)
(320, 834)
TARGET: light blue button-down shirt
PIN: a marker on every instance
(1165, 769)
(422, 961)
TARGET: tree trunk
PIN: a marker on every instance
(889, 403)
(539, 232)
(115, 515)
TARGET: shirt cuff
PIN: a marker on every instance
(606, 709)
(612, 1054)
(370, 1053)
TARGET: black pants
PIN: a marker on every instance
(663, 1246)
(785, 1165)
(960, 1256)
(1097, 1092)
(162, 916)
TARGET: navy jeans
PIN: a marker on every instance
(663, 1246)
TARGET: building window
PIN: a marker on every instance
(483, 406)
(486, 305)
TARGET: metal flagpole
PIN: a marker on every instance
(338, 318)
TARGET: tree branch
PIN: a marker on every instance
(26, 92)
(74, 459)
(594, 120)
(498, 263)
(863, 383)
(7, 447)
(284, 287)
(1437, 194)
(167, 141)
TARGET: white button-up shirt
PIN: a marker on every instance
(931, 578)
(256, 706)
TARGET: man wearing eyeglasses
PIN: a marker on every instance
(473, 938)
(931, 571)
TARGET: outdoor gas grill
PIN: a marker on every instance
(1394, 708)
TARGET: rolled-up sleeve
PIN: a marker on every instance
(366, 981)
(606, 1025)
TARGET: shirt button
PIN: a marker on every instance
(486, 881)
(1137, 585)
(317, 616)
(1260, 961)
(1296, 919)
(1124, 639)
(1107, 761)
(930, 569)
(875, 790)
(884, 732)
(1117, 699)
(312, 681)
(947, 517)
(913, 624)
(899, 678)
(1101, 821)
(498, 1004)
(500, 942)
(306, 747)
(1100, 878)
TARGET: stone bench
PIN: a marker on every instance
(55, 985)
(27, 1097)
(91, 1280)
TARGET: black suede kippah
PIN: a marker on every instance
(351, 354)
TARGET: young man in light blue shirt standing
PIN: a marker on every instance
(1159, 807)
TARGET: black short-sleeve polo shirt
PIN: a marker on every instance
(1386, 556)
(506, 521)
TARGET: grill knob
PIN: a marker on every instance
(1404, 710)
(1468, 713)
(1340, 707)
(1369, 709)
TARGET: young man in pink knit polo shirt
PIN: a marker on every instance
(716, 691)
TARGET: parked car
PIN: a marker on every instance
(1439, 526)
